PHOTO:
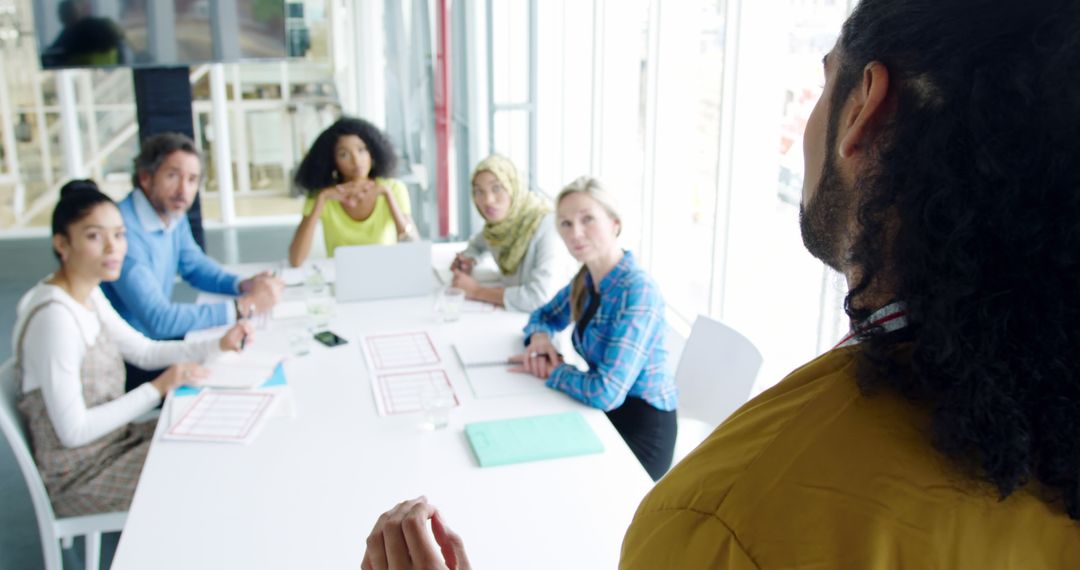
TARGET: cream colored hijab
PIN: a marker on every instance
(512, 235)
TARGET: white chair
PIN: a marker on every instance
(715, 375)
(54, 531)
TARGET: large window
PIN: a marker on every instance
(511, 89)
(679, 106)
(688, 69)
(773, 291)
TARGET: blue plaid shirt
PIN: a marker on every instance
(623, 344)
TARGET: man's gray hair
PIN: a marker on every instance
(156, 148)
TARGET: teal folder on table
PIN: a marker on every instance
(533, 438)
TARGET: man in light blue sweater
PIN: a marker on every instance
(167, 174)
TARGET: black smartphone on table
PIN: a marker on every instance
(329, 339)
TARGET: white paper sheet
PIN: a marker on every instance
(400, 392)
(225, 417)
(495, 381)
(488, 350)
(316, 271)
(245, 369)
(399, 351)
(289, 310)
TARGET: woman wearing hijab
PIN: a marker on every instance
(519, 232)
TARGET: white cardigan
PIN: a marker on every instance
(53, 351)
(546, 267)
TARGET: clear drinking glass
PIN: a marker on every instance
(320, 307)
(451, 301)
(436, 401)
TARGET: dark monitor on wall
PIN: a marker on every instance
(162, 33)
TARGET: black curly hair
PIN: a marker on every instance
(316, 171)
(979, 172)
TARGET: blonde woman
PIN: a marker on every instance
(70, 348)
(619, 329)
(519, 232)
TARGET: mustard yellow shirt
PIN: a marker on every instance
(812, 474)
(339, 228)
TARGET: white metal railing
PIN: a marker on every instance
(122, 133)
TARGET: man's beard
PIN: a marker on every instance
(822, 218)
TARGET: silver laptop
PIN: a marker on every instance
(367, 272)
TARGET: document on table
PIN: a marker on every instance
(496, 381)
(241, 370)
(399, 392)
(484, 273)
(276, 384)
(229, 417)
(488, 350)
(319, 270)
(396, 351)
(486, 360)
(533, 438)
(402, 366)
(289, 310)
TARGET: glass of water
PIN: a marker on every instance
(436, 401)
(451, 302)
(320, 308)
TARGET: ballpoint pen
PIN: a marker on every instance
(251, 313)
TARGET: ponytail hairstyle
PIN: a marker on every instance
(592, 188)
(77, 199)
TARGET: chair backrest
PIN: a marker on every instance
(716, 371)
(15, 433)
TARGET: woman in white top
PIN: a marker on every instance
(519, 232)
(70, 347)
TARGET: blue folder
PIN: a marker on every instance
(533, 438)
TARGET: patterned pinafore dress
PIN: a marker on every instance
(100, 476)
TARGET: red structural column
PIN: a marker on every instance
(442, 117)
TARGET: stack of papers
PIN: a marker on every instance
(534, 438)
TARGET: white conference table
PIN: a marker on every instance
(306, 492)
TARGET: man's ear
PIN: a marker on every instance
(866, 110)
(144, 180)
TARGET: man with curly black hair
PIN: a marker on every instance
(944, 431)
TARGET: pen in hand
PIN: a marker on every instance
(251, 313)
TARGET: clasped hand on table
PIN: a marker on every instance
(539, 359)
